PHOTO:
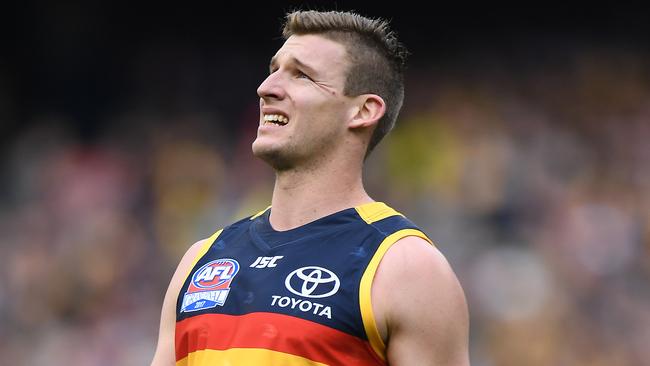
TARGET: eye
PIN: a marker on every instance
(302, 75)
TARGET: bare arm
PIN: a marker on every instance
(420, 306)
(165, 354)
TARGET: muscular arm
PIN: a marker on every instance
(165, 355)
(420, 307)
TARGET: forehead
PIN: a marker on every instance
(322, 54)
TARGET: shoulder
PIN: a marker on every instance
(413, 255)
(414, 264)
(417, 296)
(195, 249)
(189, 259)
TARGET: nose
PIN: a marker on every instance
(271, 87)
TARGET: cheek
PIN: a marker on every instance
(320, 112)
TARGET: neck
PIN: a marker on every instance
(301, 196)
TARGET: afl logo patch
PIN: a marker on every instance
(314, 282)
(210, 285)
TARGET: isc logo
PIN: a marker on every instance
(266, 262)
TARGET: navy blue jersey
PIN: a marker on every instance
(256, 296)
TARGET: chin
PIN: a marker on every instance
(272, 156)
(260, 149)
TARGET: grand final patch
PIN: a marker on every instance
(210, 285)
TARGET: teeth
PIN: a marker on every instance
(276, 118)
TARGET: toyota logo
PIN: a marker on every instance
(312, 281)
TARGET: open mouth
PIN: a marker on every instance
(276, 119)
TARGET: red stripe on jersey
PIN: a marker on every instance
(277, 332)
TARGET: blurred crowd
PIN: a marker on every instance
(534, 182)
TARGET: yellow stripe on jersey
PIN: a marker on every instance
(204, 249)
(259, 213)
(375, 211)
(365, 293)
(244, 357)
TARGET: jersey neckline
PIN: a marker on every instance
(266, 237)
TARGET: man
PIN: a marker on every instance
(325, 275)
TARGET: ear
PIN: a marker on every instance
(370, 109)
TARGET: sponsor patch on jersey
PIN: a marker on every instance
(210, 285)
(312, 281)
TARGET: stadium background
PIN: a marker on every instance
(522, 150)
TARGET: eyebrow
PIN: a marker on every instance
(298, 63)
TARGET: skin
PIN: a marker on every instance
(318, 159)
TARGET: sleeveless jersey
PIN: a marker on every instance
(256, 296)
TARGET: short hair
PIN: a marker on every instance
(377, 58)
